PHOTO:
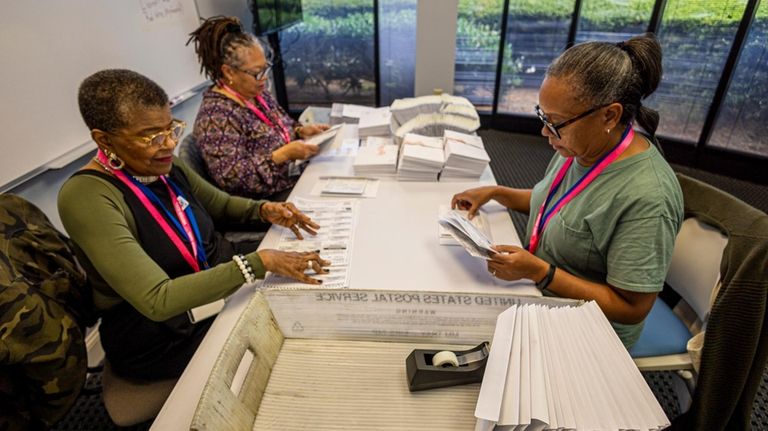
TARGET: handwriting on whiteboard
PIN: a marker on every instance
(161, 10)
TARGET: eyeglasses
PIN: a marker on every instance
(554, 128)
(173, 132)
(261, 74)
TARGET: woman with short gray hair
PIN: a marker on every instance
(603, 220)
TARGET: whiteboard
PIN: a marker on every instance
(47, 48)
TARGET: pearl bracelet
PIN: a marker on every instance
(245, 268)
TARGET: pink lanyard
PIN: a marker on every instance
(183, 219)
(539, 225)
(281, 129)
(172, 235)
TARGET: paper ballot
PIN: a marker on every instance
(465, 233)
(444, 235)
(558, 366)
(323, 137)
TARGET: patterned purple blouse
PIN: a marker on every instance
(237, 146)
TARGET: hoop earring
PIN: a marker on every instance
(114, 162)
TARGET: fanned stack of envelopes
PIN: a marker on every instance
(562, 367)
(465, 157)
(432, 115)
(421, 158)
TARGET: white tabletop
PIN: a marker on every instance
(395, 248)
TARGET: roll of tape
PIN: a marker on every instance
(445, 359)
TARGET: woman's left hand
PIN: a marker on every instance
(514, 263)
(311, 130)
(286, 214)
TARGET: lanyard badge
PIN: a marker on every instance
(543, 218)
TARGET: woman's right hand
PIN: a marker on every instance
(294, 150)
(471, 200)
(293, 264)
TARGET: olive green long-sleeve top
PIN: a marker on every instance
(103, 228)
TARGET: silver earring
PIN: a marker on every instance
(607, 130)
(114, 162)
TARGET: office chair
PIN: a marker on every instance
(189, 152)
(735, 346)
(693, 274)
(129, 403)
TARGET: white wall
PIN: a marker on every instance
(43, 189)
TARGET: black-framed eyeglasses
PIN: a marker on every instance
(261, 74)
(555, 128)
(174, 131)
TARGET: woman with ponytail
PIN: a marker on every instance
(603, 221)
(247, 141)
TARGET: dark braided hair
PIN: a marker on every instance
(108, 97)
(217, 42)
(625, 72)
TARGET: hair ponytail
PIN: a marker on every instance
(625, 72)
(216, 42)
(648, 119)
(645, 53)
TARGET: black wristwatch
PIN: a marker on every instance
(541, 285)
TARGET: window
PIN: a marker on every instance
(741, 122)
(397, 49)
(537, 32)
(696, 37)
(329, 56)
(613, 20)
(477, 50)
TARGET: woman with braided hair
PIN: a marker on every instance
(603, 220)
(247, 141)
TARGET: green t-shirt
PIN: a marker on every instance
(620, 230)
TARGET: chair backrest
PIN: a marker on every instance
(695, 267)
(736, 340)
(190, 153)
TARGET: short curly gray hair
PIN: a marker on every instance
(106, 98)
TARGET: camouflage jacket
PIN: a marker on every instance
(44, 307)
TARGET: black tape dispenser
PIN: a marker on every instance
(429, 369)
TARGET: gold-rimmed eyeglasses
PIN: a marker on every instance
(174, 132)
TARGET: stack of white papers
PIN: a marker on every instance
(463, 161)
(562, 367)
(444, 234)
(344, 186)
(474, 241)
(473, 140)
(421, 158)
(346, 113)
(374, 141)
(436, 125)
(337, 110)
(378, 161)
(375, 122)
